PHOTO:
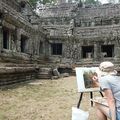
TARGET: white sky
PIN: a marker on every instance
(103, 1)
(106, 1)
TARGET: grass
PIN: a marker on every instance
(49, 100)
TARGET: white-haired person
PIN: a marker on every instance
(109, 82)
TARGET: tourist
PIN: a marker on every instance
(109, 82)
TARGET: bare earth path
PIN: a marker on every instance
(42, 100)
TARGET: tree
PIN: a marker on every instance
(89, 2)
(34, 2)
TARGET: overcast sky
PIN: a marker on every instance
(105, 1)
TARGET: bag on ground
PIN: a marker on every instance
(78, 114)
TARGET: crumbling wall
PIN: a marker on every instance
(98, 16)
(85, 32)
(19, 31)
(12, 75)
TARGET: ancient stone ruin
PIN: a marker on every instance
(60, 36)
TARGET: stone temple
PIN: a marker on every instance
(60, 36)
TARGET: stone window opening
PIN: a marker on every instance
(56, 48)
(106, 22)
(23, 4)
(116, 21)
(77, 23)
(5, 38)
(87, 51)
(1, 18)
(23, 43)
(98, 23)
(41, 48)
(107, 50)
(89, 24)
(1, 15)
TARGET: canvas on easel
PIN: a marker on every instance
(85, 83)
(84, 79)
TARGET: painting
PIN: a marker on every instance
(87, 76)
(84, 77)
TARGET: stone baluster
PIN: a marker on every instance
(96, 51)
(117, 52)
(1, 36)
(117, 48)
(80, 52)
(18, 35)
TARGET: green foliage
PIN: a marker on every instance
(34, 2)
(48, 1)
(96, 2)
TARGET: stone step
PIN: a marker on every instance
(10, 75)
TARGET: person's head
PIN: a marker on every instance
(106, 68)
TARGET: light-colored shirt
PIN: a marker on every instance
(112, 82)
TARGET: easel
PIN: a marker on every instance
(91, 95)
(81, 84)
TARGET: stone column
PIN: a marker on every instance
(117, 51)
(97, 49)
(1, 38)
(80, 52)
(63, 49)
(47, 49)
(18, 32)
(117, 48)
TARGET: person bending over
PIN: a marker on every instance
(109, 82)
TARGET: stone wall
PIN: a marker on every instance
(85, 32)
(60, 10)
(24, 43)
(64, 34)
(99, 31)
(12, 75)
(98, 16)
(21, 35)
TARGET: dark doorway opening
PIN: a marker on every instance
(41, 48)
(5, 38)
(87, 51)
(107, 50)
(56, 48)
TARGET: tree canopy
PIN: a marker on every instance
(34, 2)
(96, 2)
(87, 2)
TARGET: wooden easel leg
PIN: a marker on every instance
(101, 94)
(91, 97)
(80, 99)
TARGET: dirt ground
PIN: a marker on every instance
(43, 100)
